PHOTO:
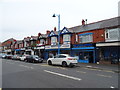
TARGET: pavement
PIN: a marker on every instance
(111, 67)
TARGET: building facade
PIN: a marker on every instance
(90, 43)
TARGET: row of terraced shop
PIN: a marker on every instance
(90, 43)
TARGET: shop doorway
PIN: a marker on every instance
(86, 57)
(91, 59)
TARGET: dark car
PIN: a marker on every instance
(34, 58)
(115, 61)
(8, 56)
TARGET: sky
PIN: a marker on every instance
(22, 18)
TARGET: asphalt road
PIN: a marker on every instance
(18, 74)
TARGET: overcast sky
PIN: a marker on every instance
(22, 18)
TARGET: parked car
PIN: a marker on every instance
(2, 55)
(34, 58)
(115, 61)
(23, 57)
(16, 57)
(63, 59)
(9, 56)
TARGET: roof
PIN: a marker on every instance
(113, 22)
(43, 36)
(52, 33)
(19, 41)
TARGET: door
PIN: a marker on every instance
(91, 59)
(61, 58)
(55, 59)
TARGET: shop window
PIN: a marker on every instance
(81, 56)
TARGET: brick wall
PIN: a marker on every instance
(98, 35)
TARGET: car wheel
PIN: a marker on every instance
(71, 65)
(49, 62)
(41, 61)
(64, 64)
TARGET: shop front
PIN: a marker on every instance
(108, 52)
(84, 52)
(39, 51)
(52, 50)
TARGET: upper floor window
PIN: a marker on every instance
(42, 41)
(53, 40)
(87, 37)
(112, 33)
(66, 38)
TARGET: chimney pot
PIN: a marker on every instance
(39, 34)
(47, 32)
(54, 28)
(83, 22)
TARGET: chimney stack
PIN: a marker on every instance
(54, 28)
(83, 22)
(47, 32)
(39, 34)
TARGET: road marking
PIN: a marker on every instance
(36, 64)
(108, 71)
(26, 66)
(104, 75)
(90, 69)
(81, 72)
(10, 62)
(55, 67)
(99, 70)
(45, 65)
(63, 75)
(112, 87)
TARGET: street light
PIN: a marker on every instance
(54, 15)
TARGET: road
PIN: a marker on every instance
(18, 74)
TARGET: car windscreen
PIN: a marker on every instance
(35, 57)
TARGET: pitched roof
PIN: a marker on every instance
(97, 25)
(19, 41)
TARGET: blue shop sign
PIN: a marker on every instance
(83, 45)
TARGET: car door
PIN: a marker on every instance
(55, 59)
(61, 59)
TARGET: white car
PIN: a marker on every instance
(23, 57)
(63, 59)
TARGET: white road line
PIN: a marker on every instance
(112, 87)
(63, 75)
(104, 75)
(81, 72)
(10, 63)
(26, 66)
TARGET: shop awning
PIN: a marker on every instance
(17, 49)
(84, 48)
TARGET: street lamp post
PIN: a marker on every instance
(54, 15)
